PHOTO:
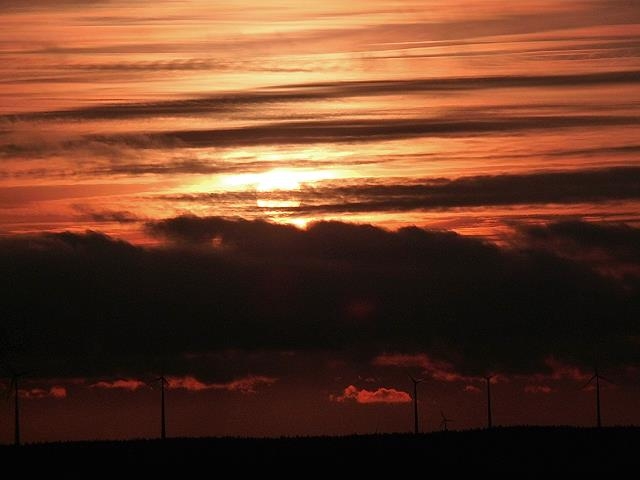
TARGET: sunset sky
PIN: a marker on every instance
(285, 206)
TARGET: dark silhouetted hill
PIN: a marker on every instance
(517, 449)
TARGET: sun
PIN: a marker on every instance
(278, 179)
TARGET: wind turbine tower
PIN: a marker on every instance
(163, 423)
(445, 421)
(15, 387)
(597, 377)
(416, 381)
(489, 415)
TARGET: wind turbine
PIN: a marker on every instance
(14, 386)
(597, 377)
(489, 416)
(416, 381)
(445, 421)
(163, 428)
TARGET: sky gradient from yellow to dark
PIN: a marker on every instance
(507, 132)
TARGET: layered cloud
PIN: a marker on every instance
(375, 195)
(438, 370)
(169, 100)
(243, 385)
(355, 130)
(130, 384)
(325, 91)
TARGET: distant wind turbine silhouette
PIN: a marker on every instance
(597, 377)
(15, 388)
(416, 381)
(489, 415)
(163, 426)
(445, 421)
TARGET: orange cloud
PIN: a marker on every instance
(381, 395)
(243, 385)
(123, 384)
(36, 393)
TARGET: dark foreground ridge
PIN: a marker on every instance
(523, 449)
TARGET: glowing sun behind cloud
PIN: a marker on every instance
(279, 179)
(271, 186)
(282, 180)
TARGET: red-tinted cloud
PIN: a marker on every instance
(53, 392)
(538, 389)
(611, 249)
(123, 384)
(187, 383)
(381, 395)
(562, 371)
(471, 389)
(439, 370)
(243, 385)
(360, 309)
(247, 384)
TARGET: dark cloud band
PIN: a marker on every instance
(94, 306)
(327, 91)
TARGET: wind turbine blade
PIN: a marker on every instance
(10, 390)
(13, 386)
(151, 382)
(587, 384)
(607, 380)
